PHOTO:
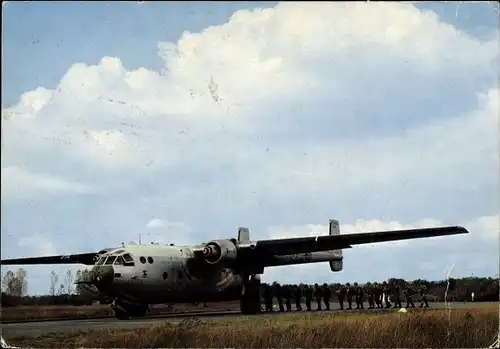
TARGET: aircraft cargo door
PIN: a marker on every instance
(167, 275)
(178, 275)
(181, 277)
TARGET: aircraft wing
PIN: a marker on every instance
(334, 242)
(81, 258)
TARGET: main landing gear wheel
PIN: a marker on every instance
(250, 296)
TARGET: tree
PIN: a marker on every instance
(452, 283)
(21, 283)
(15, 284)
(53, 282)
(7, 282)
(68, 281)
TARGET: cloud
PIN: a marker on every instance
(18, 183)
(156, 223)
(167, 231)
(279, 117)
(270, 54)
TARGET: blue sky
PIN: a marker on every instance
(388, 121)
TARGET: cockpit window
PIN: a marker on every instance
(128, 258)
(118, 261)
(110, 260)
(101, 261)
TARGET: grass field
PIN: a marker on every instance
(63, 312)
(463, 328)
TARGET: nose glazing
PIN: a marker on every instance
(102, 276)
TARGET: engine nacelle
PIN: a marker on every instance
(220, 251)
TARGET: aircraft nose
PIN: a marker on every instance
(102, 275)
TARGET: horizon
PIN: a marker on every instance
(494, 277)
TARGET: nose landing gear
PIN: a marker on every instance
(125, 310)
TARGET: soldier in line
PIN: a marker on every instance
(386, 293)
(287, 295)
(350, 293)
(278, 291)
(326, 295)
(358, 291)
(308, 294)
(369, 294)
(318, 294)
(377, 294)
(297, 294)
(268, 298)
(253, 290)
(341, 293)
(408, 296)
(423, 293)
(397, 296)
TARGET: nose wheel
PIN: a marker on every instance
(250, 295)
(124, 311)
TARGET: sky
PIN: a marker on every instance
(179, 122)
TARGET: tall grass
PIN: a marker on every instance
(465, 328)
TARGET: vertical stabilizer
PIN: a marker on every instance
(243, 234)
(334, 229)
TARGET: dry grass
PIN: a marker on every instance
(464, 328)
(66, 312)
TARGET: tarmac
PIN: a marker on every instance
(40, 328)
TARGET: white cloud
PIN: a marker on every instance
(269, 61)
(278, 117)
(155, 223)
(18, 183)
(167, 231)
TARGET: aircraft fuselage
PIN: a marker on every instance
(155, 274)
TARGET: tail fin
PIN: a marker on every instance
(243, 234)
(334, 229)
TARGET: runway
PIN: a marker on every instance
(40, 328)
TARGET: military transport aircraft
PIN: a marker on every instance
(220, 270)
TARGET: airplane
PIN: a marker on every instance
(135, 276)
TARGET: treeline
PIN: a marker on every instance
(64, 292)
